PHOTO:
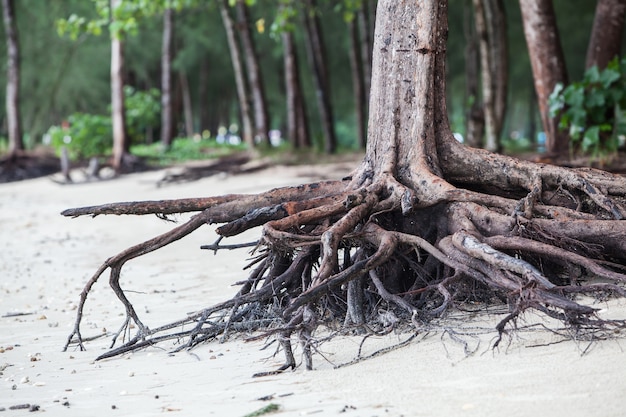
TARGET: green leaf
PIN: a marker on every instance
(592, 75)
(608, 77)
(591, 138)
(595, 98)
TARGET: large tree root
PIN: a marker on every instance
(368, 252)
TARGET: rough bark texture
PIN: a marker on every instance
(548, 65)
(423, 225)
(167, 108)
(606, 34)
(13, 79)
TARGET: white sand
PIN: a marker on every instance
(45, 260)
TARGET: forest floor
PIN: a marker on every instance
(45, 260)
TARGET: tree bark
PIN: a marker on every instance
(121, 143)
(606, 35)
(255, 77)
(14, 123)
(167, 109)
(242, 88)
(548, 65)
(317, 59)
(297, 121)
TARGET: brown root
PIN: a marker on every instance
(417, 262)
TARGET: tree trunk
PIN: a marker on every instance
(167, 110)
(424, 224)
(491, 28)
(14, 126)
(204, 118)
(297, 122)
(187, 106)
(358, 83)
(255, 77)
(121, 143)
(548, 65)
(606, 36)
(474, 114)
(317, 59)
(242, 88)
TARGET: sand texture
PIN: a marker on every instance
(45, 259)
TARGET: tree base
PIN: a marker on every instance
(368, 254)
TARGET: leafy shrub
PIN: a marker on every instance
(87, 135)
(591, 109)
(143, 110)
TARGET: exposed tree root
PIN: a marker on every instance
(422, 226)
(338, 251)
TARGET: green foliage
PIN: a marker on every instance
(123, 19)
(592, 109)
(143, 110)
(86, 135)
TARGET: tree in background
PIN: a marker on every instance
(548, 65)
(121, 142)
(240, 81)
(297, 119)
(357, 19)
(254, 73)
(317, 60)
(167, 110)
(606, 35)
(493, 52)
(14, 125)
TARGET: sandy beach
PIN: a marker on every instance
(45, 260)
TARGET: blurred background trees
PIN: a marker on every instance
(244, 70)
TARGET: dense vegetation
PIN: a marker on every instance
(68, 80)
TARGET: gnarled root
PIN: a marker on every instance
(538, 241)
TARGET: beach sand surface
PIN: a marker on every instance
(45, 260)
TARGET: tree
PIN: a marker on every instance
(13, 79)
(167, 109)
(121, 142)
(255, 77)
(358, 74)
(297, 121)
(548, 65)
(423, 224)
(242, 88)
(317, 60)
(606, 35)
(491, 28)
